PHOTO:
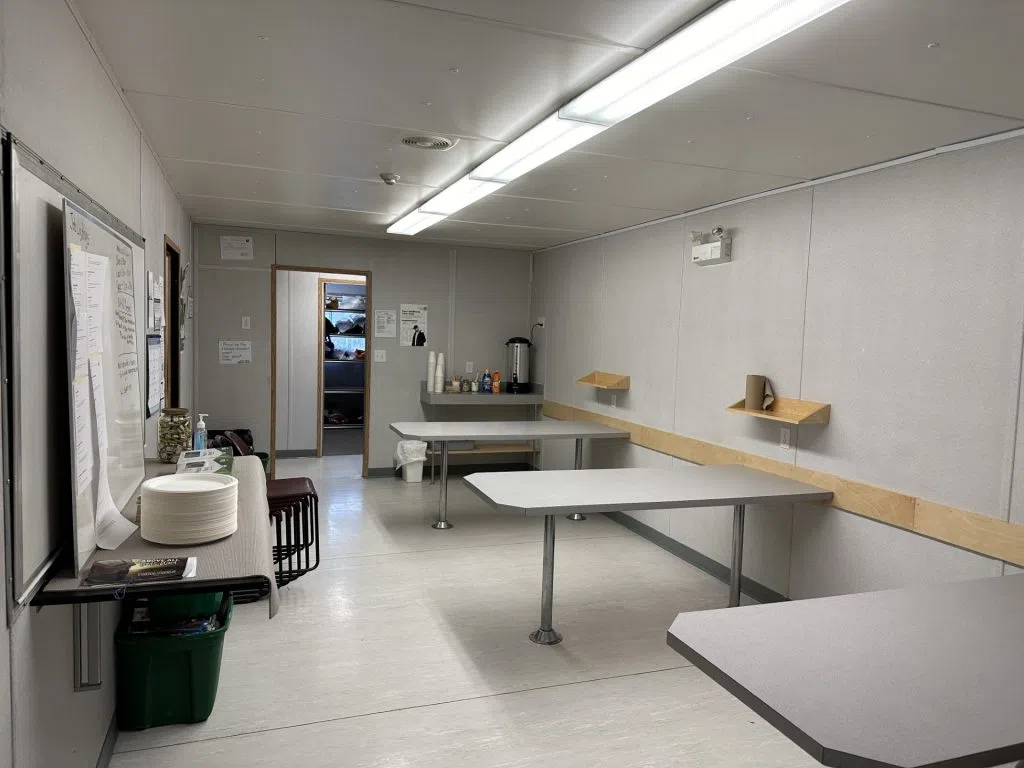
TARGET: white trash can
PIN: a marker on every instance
(411, 455)
(412, 472)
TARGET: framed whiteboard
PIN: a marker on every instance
(37, 451)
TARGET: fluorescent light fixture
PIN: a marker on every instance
(724, 35)
(549, 138)
(413, 222)
(460, 194)
(715, 40)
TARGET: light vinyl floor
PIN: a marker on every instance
(409, 647)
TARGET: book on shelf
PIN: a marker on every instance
(124, 572)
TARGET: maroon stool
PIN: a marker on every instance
(295, 513)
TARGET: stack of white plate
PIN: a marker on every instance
(189, 509)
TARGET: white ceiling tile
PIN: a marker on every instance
(554, 214)
(199, 130)
(639, 183)
(492, 234)
(361, 60)
(764, 123)
(288, 187)
(283, 216)
(639, 23)
(882, 46)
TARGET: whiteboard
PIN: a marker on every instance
(41, 505)
(104, 380)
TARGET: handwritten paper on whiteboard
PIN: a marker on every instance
(236, 248)
(235, 352)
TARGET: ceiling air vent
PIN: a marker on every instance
(438, 143)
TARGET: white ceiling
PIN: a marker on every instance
(292, 131)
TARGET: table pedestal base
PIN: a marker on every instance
(441, 525)
(545, 637)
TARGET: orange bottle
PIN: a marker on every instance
(496, 383)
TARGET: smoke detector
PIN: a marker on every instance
(435, 143)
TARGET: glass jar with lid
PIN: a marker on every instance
(175, 434)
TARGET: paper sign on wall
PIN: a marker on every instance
(385, 324)
(236, 248)
(235, 352)
(414, 325)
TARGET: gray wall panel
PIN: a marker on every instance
(402, 272)
(914, 284)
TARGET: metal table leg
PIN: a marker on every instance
(738, 514)
(546, 635)
(442, 523)
(578, 465)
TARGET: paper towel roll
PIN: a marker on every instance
(431, 370)
(759, 393)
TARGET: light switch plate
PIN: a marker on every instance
(784, 437)
(246, 323)
(469, 367)
(380, 355)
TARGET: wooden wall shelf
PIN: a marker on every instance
(788, 411)
(602, 380)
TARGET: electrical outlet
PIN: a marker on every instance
(380, 355)
(540, 321)
(469, 367)
(784, 437)
(246, 323)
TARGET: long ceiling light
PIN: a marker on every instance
(457, 196)
(716, 40)
(722, 36)
(549, 138)
(415, 221)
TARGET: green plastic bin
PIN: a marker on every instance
(185, 606)
(164, 680)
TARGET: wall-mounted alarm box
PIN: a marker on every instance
(716, 252)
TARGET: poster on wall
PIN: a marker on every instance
(414, 325)
(385, 324)
(236, 248)
(234, 352)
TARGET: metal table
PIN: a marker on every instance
(496, 432)
(622, 490)
(927, 676)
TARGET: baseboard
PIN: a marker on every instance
(107, 751)
(297, 454)
(454, 469)
(756, 590)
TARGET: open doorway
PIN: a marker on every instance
(320, 364)
(172, 330)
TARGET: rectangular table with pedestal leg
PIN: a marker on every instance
(550, 494)
(443, 432)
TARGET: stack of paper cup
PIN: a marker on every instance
(431, 370)
(189, 508)
(439, 374)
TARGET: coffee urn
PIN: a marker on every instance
(517, 367)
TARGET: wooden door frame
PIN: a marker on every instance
(171, 277)
(274, 269)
